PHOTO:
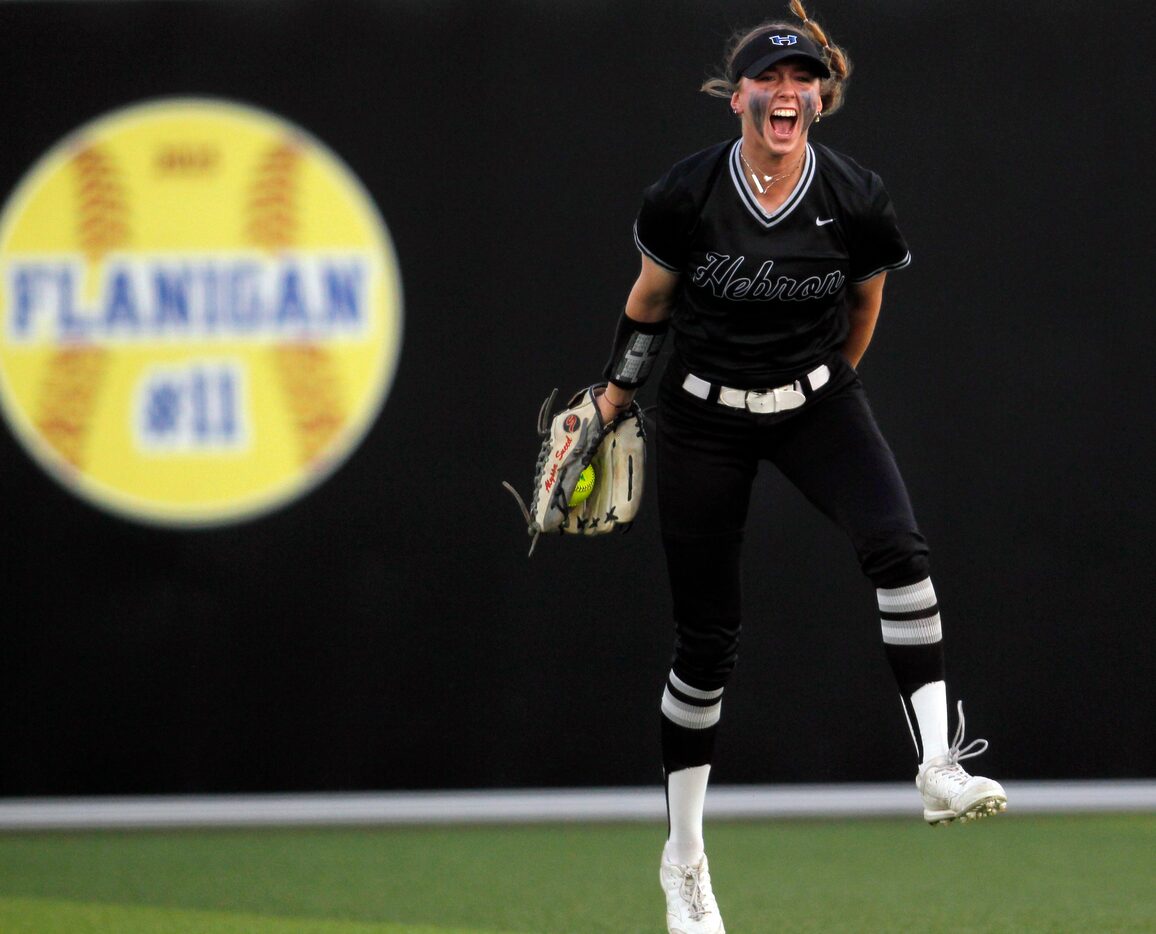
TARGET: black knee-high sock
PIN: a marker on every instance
(690, 719)
(913, 640)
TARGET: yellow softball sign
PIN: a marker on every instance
(200, 311)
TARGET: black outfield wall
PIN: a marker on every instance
(387, 631)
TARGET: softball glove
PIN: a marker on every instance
(572, 439)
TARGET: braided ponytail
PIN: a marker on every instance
(837, 59)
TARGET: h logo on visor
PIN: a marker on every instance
(784, 40)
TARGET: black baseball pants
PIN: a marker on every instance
(707, 457)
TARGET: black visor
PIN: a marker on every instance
(775, 45)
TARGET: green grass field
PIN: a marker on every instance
(1011, 874)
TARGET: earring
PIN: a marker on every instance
(818, 117)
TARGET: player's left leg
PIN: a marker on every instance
(913, 639)
(835, 454)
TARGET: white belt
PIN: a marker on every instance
(762, 401)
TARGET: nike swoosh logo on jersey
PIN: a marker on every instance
(822, 223)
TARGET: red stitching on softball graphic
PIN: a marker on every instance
(102, 211)
(272, 204)
(309, 378)
(73, 377)
(313, 396)
(68, 392)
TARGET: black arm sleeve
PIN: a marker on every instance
(636, 347)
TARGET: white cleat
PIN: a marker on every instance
(950, 793)
(690, 904)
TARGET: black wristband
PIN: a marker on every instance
(636, 347)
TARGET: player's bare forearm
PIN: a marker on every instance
(858, 337)
(866, 300)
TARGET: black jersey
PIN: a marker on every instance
(762, 297)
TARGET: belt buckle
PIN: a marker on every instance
(760, 398)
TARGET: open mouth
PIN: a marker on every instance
(783, 120)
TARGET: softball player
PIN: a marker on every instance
(766, 255)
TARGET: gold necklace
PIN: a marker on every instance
(768, 181)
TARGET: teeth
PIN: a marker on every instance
(784, 112)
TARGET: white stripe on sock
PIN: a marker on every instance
(686, 689)
(912, 631)
(687, 715)
(920, 596)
